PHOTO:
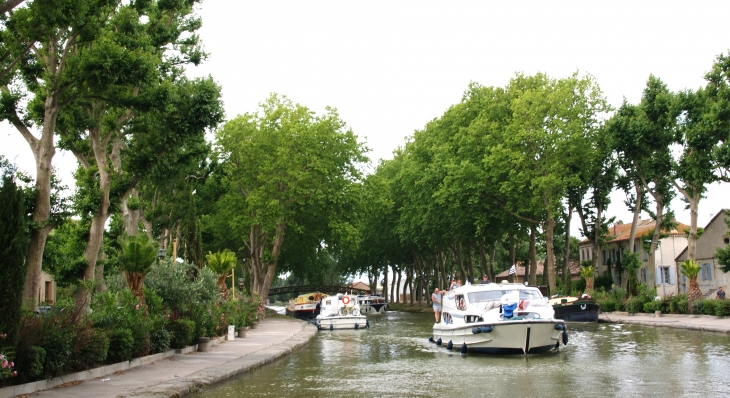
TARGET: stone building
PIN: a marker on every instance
(715, 235)
(662, 274)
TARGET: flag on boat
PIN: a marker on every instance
(512, 270)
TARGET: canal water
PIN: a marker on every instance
(394, 358)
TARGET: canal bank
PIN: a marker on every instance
(184, 374)
(706, 323)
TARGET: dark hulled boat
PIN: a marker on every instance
(574, 309)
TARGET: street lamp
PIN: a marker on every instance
(161, 253)
(240, 284)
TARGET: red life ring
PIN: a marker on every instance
(345, 300)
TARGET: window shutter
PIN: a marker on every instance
(672, 276)
(704, 275)
(709, 271)
(659, 277)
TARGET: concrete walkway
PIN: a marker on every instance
(183, 374)
(694, 322)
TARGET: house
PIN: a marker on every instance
(360, 285)
(573, 266)
(716, 234)
(47, 293)
(662, 274)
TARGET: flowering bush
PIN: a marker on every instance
(6, 365)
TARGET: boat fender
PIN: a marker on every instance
(450, 345)
(345, 300)
(476, 330)
(357, 326)
(565, 337)
(583, 307)
(559, 326)
(430, 339)
(438, 342)
(487, 329)
(331, 327)
(463, 348)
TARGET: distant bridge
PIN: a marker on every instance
(315, 288)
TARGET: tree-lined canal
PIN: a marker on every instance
(394, 358)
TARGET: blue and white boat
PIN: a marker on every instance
(498, 318)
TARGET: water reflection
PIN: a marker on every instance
(394, 358)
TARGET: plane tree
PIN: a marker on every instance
(285, 169)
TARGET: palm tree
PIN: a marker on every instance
(137, 254)
(221, 263)
(587, 274)
(691, 269)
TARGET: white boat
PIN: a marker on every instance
(371, 305)
(498, 318)
(341, 312)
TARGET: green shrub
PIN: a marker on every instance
(608, 305)
(722, 308)
(651, 306)
(114, 311)
(635, 305)
(160, 339)
(182, 332)
(94, 351)
(578, 285)
(121, 345)
(678, 304)
(697, 306)
(710, 307)
(29, 363)
(603, 282)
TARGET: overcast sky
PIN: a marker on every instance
(391, 66)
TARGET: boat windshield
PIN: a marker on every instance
(496, 295)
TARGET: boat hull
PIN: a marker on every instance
(342, 322)
(304, 311)
(373, 309)
(578, 311)
(506, 337)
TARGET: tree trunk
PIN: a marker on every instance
(566, 250)
(385, 285)
(532, 252)
(651, 265)
(397, 285)
(512, 257)
(130, 217)
(550, 230)
(43, 151)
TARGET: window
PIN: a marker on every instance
(605, 257)
(643, 275)
(581, 255)
(706, 272)
(665, 276)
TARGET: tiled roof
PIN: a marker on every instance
(620, 232)
(573, 265)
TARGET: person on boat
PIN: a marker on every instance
(485, 279)
(436, 298)
(453, 285)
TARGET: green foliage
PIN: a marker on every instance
(603, 282)
(121, 313)
(13, 248)
(137, 253)
(678, 304)
(182, 332)
(122, 345)
(690, 269)
(221, 262)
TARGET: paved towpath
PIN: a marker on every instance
(183, 374)
(699, 322)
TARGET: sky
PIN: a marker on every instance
(391, 66)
